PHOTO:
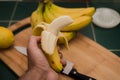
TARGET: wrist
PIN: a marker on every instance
(49, 73)
(34, 74)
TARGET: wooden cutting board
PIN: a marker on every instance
(89, 57)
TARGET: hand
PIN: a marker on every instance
(38, 67)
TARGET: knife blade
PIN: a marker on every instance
(68, 70)
(22, 50)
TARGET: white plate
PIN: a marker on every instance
(106, 18)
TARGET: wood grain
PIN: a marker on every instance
(89, 57)
(20, 24)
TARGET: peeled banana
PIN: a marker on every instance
(50, 34)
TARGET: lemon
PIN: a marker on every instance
(6, 37)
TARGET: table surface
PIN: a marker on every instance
(11, 12)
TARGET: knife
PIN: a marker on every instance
(67, 70)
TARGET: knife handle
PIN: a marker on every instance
(78, 76)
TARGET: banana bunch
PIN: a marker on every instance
(58, 25)
(81, 16)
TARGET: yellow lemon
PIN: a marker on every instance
(6, 37)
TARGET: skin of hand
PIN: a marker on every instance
(38, 66)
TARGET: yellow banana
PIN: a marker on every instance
(61, 9)
(78, 23)
(48, 17)
(54, 60)
(74, 13)
(50, 35)
(86, 12)
(37, 15)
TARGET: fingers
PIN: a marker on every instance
(60, 54)
(63, 61)
(34, 40)
(33, 48)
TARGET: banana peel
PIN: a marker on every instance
(68, 35)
